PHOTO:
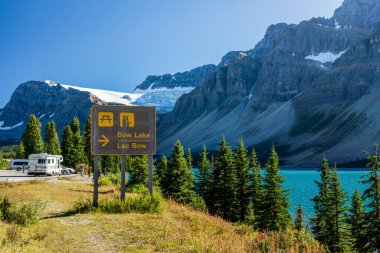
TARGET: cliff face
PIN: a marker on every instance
(192, 78)
(296, 89)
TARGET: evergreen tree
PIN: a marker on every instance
(189, 159)
(87, 142)
(20, 154)
(275, 199)
(249, 217)
(110, 163)
(138, 172)
(256, 188)
(162, 168)
(321, 204)
(357, 224)
(225, 184)
(299, 219)
(371, 197)
(336, 222)
(78, 154)
(204, 174)
(31, 138)
(241, 165)
(67, 147)
(52, 145)
(180, 178)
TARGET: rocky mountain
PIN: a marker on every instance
(192, 78)
(297, 88)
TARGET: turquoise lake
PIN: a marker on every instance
(302, 188)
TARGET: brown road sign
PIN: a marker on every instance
(123, 130)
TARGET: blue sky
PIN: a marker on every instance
(115, 44)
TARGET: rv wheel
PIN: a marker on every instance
(18, 169)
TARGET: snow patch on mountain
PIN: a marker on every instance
(325, 57)
(11, 127)
(163, 98)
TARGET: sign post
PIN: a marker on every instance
(96, 176)
(123, 130)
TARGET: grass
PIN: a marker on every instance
(176, 228)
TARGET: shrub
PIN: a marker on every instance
(198, 203)
(110, 179)
(23, 214)
(140, 204)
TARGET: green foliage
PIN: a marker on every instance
(52, 145)
(204, 174)
(298, 224)
(110, 163)
(179, 177)
(67, 147)
(141, 204)
(371, 197)
(336, 222)
(138, 171)
(242, 164)
(321, 204)
(78, 154)
(4, 164)
(256, 188)
(223, 184)
(31, 137)
(162, 172)
(275, 199)
(87, 142)
(357, 223)
(197, 203)
(250, 217)
(23, 214)
(110, 179)
(189, 159)
(20, 154)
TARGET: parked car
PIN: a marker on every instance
(18, 164)
(67, 170)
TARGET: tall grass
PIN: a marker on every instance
(22, 214)
(110, 179)
(138, 204)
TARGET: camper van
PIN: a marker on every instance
(44, 164)
(19, 164)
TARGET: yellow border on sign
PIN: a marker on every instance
(155, 128)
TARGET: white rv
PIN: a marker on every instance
(19, 164)
(44, 164)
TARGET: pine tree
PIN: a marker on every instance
(249, 217)
(179, 176)
(357, 224)
(224, 183)
(371, 197)
(241, 165)
(31, 138)
(20, 154)
(204, 174)
(336, 224)
(162, 168)
(275, 199)
(189, 159)
(299, 219)
(52, 145)
(138, 172)
(256, 188)
(87, 142)
(67, 147)
(78, 146)
(321, 204)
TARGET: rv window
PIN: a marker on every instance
(48, 161)
(52, 161)
(41, 161)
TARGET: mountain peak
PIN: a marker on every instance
(358, 13)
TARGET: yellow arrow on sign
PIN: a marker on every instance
(105, 140)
